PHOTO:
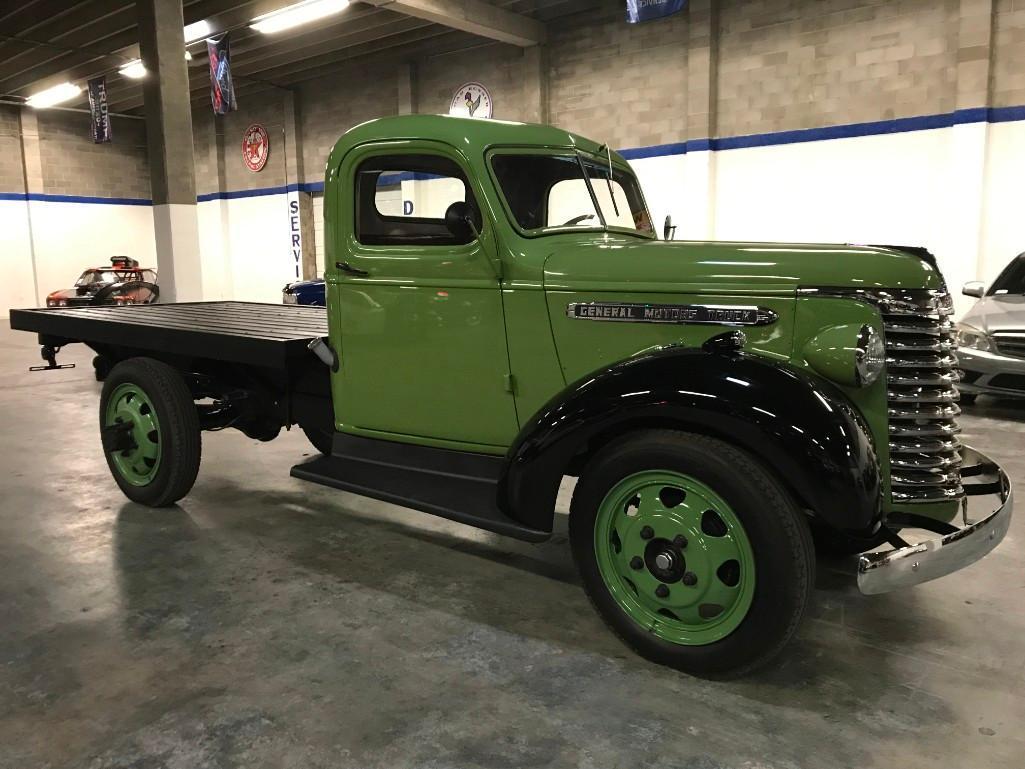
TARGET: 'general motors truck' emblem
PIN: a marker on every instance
(716, 314)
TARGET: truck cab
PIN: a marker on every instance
(501, 314)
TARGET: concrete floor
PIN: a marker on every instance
(270, 623)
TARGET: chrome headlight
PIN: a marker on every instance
(850, 354)
(869, 356)
(973, 338)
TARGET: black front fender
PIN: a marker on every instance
(802, 427)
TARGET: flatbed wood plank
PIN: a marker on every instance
(266, 335)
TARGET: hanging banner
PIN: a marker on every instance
(222, 92)
(646, 10)
(101, 129)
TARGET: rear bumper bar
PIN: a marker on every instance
(912, 565)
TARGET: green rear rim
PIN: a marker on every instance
(129, 403)
(675, 557)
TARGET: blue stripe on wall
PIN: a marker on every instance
(848, 131)
(75, 199)
(261, 191)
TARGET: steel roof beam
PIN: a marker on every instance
(474, 16)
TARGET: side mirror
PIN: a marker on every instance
(668, 229)
(974, 288)
(459, 220)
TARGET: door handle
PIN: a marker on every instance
(350, 270)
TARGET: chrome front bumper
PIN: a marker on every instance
(907, 566)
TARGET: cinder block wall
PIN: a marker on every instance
(73, 165)
(70, 162)
(1008, 79)
(329, 106)
(776, 65)
(619, 83)
(787, 64)
(499, 67)
(11, 171)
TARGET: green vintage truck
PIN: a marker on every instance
(501, 314)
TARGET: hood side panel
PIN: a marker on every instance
(585, 345)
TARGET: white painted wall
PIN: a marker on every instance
(66, 238)
(246, 248)
(16, 287)
(1003, 220)
(956, 191)
(921, 188)
(318, 231)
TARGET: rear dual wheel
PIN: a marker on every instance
(692, 552)
(150, 430)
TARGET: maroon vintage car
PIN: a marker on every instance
(124, 282)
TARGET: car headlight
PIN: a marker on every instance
(973, 338)
(869, 356)
(849, 354)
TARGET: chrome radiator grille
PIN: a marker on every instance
(1010, 343)
(922, 396)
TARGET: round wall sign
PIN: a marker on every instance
(471, 100)
(255, 147)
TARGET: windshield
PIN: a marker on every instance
(553, 191)
(103, 277)
(1011, 280)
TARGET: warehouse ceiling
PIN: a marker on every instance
(48, 42)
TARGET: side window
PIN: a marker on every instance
(403, 200)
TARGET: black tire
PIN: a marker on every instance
(179, 433)
(774, 524)
(830, 542)
(321, 439)
(101, 367)
(967, 399)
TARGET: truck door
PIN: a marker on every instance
(418, 303)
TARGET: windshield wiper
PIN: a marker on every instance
(590, 190)
(608, 179)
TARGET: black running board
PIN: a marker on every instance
(457, 485)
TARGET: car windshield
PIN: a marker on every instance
(1011, 280)
(568, 190)
(103, 277)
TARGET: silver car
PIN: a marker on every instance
(991, 337)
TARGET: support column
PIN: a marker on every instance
(962, 258)
(696, 218)
(215, 246)
(303, 242)
(32, 167)
(171, 157)
(407, 89)
(535, 84)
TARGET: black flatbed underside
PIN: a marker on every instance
(266, 335)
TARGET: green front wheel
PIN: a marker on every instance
(691, 551)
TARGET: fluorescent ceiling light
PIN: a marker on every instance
(294, 15)
(56, 95)
(133, 69)
(197, 31)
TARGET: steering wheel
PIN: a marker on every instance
(578, 219)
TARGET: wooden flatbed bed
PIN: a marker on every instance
(263, 335)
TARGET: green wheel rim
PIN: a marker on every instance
(675, 557)
(129, 403)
